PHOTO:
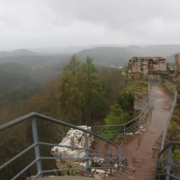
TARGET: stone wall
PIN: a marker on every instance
(146, 64)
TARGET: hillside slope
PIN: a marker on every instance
(15, 68)
(171, 58)
(36, 61)
(106, 55)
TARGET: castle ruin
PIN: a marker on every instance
(144, 65)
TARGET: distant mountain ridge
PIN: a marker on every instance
(36, 61)
(19, 52)
(121, 55)
(106, 55)
(149, 50)
(103, 55)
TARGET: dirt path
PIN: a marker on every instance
(141, 152)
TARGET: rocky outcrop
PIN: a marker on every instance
(74, 138)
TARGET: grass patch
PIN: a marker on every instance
(140, 86)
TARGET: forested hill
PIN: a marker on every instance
(15, 82)
(107, 55)
(15, 68)
(36, 61)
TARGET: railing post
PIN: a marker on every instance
(124, 130)
(110, 158)
(168, 163)
(139, 122)
(118, 159)
(158, 166)
(87, 155)
(151, 104)
(36, 148)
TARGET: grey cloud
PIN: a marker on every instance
(40, 23)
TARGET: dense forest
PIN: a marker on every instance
(81, 95)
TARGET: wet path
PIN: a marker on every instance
(141, 152)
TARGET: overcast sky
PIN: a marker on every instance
(58, 23)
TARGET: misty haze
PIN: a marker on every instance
(89, 89)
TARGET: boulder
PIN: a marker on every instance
(74, 138)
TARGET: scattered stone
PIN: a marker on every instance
(132, 169)
(93, 172)
(138, 133)
(159, 142)
(142, 130)
(167, 107)
(100, 171)
(150, 153)
(152, 132)
(114, 170)
(30, 178)
(99, 177)
(83, 164)
(155, 148)
(135, 160)
(129, 134)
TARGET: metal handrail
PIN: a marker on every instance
(37, 115)
(169, 163)
(168, 84)
(133, 124)
(36, 145)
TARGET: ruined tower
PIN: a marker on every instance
(177, 60)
